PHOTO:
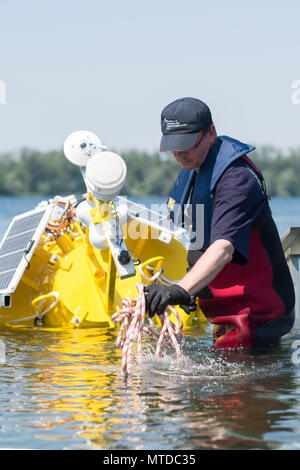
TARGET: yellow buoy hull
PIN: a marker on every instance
(69, 283)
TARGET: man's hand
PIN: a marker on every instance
(158, 297)
(192, 307)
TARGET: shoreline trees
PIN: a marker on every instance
(49, 173)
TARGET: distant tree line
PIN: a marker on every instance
(49, 173)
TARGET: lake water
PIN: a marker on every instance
(64, 389)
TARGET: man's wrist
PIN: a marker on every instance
(192, 298)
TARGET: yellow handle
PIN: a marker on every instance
(158, 260)
(45, 297)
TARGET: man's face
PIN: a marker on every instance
(193, 158)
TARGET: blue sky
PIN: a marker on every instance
(110, 67)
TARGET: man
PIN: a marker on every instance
(239, 275)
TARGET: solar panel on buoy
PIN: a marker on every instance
(18, 245)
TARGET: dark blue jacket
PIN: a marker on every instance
(202, 185)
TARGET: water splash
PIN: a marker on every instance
(200, 362)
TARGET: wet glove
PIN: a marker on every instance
(158, 297)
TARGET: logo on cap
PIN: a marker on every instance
(173, 124)
(170, 124)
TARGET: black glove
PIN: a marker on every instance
(192, 307)
(158, 297)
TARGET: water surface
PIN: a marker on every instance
(64, 389)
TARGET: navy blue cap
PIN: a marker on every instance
(181, 122)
